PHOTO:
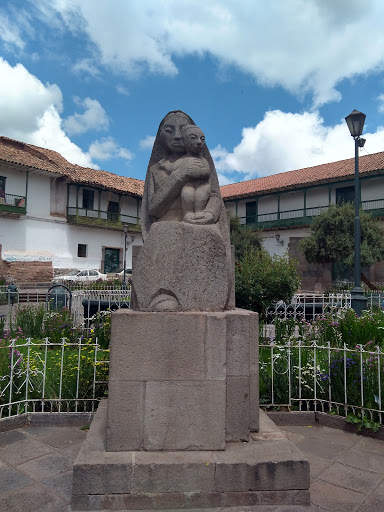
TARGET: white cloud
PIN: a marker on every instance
(122, 90)
(148, 142)
(284, 141)
(315, 48)
(223, 180)
(50, 135)
(94, 117)
(86, 66)
(23, 98)
(9, 32)
(107, 148)
(30, 112)
(380, 99)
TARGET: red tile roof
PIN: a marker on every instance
(20, 153)
(304, 177)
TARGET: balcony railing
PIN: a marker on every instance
(11, 203)
(303, 216)
(100, 218)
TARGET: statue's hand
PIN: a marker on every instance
(195, 172)
(200, 218)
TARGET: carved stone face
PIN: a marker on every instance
(194, 140)
(171, 133)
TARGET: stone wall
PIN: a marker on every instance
(376, 274)
(314, 277)
(25, 271)
(318, 278)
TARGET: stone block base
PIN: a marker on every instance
(182, 381)
(267, 470)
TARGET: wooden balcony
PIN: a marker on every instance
(303, 216)
(101, 219)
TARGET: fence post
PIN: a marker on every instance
(379, 380)
(289, 373)
(361, 380)
(345, 381)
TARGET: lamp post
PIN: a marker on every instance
(124, 287)
(125, 257)
(355, 122)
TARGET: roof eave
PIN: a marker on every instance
(32, 168)
(101, 186)
(311, 184)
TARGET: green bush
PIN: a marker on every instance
(262, 279)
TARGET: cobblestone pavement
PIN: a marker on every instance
(347, 470)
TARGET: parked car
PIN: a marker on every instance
(82, 276)
(119, 273)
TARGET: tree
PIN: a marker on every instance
(332, 237)
(261, 279)
(243, 238)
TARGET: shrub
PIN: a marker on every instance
(262, 279)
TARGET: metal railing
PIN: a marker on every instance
(307, 306)
(13, 200)
(84, 303)
(40, 376)
(323, 378)
(287, 216)
(102, 214)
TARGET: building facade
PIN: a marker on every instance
(55, 216)
(283, 205)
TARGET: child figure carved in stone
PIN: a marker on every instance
(197, 190)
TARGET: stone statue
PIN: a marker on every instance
(195, 193)
(185, 262)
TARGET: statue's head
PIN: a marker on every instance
(193, 139)
(170, 131)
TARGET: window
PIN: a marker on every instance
(113, 211)
(88, 199)
(82, 250)
(2, 186)
(345, 195)
(251, 212)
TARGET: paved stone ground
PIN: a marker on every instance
(347, 470)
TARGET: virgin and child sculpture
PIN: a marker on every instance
(185, 262)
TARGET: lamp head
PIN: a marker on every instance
(355, 122)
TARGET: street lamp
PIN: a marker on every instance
(125, 255)
(355, 122)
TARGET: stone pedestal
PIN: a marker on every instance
(267, 470)
(177, 428)
(182, 381)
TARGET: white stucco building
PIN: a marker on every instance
(283, 206)
(64, 215)
(56, 216)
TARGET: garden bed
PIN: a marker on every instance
(315, 419)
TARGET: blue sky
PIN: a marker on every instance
(268, 82)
